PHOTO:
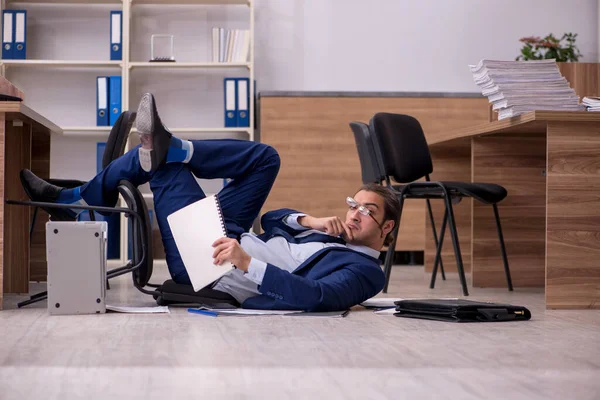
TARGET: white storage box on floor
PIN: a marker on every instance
(76, 254)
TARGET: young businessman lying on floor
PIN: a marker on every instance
(300, 262)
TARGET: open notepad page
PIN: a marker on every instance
(195, 228)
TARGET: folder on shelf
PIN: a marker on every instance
(114, 99)
(222, 37)
(20, 23)
(8, 31)
(215, 45)
(113, 220)
(102, 101)
(243, 102)
(116, 35)
(230, 102)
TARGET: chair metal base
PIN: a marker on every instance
(448, 217)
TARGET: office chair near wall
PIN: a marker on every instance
(406, 158)
(372, 171)
(141, 263)
(115, 147)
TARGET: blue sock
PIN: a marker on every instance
(68, 196)
(71, 196)
(180, 150)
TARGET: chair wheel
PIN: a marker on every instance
(155, 296)
(160, 301)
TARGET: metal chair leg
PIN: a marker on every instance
(38, 296)
(389, 260)
(438, 251)
(33, 299)
(32, 226)
(389, 257)
(504, 258)
(435, 237)
(457, 253)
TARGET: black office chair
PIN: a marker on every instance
(372, 171)
(141, 263)
(115, 147)
(406, 158)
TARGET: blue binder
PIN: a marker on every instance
(102, 101)
(8, 33)
(230, 91)
(243, 102)
(116, 35)
(20, 36)
(113, 220)
(114, 99)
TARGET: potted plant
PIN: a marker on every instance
(536, 48)
(567, 55)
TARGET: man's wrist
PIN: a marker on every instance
(305, 221)
(245, 263)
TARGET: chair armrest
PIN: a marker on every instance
(127, 211)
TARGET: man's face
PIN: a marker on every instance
(365, 228)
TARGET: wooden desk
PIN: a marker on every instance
(550, 164)
(24, 143)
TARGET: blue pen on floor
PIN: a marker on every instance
(203, 312)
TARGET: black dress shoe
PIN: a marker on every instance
(155, 138)
(38, 189)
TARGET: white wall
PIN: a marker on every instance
(404, 45)
(324, 45)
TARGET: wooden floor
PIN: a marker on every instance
(556, 355)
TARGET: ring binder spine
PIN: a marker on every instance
(221, 218)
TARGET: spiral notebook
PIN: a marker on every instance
(195, 228)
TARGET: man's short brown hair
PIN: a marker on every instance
(391, 208)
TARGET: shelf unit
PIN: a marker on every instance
(62, 63)
(127, 67)
(178, 65)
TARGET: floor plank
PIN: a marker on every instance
(553, 356)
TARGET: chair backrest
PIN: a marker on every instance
(370, 168)
(404, 150)
(115, 144)
(141, 234)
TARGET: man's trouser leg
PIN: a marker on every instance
(252, 166)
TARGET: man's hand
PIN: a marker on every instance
(330, 225)
(227, 249)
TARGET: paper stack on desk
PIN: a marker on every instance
(516, 87)
(591, 103)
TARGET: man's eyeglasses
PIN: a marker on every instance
(354, 205)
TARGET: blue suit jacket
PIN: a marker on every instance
(332, 279)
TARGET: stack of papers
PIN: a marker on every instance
(216, 312)
(139, 310)
(591, 103)
(381, 302)
(516, 87)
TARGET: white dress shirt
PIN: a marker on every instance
(278, 252)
